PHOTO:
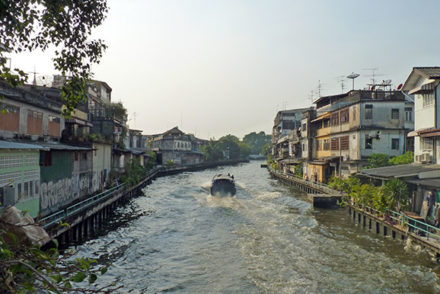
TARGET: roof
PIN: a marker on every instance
(16, 145)
(174, 131)
(428, 72)
(60, 146)
(398, 171)
(435, 182)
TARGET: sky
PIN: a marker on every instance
(226, 67)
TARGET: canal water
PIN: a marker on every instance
(268, 239)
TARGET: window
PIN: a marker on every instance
(395, 144)
(395, 113)
(428, 99)
(326, 123)
(354, 113)
(344, 116)
(84, 155)
(335, 119)
(326, 144)
(304, 127)
(335, 144)
(76, 156)
(408, 113)
(426, 143)
(304, 147)
(45, 158)
(344, 143)
(369, 111)
(368, 143)
(318, 145)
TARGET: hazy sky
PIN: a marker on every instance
(220, 67)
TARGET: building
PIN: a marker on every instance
(30, 115)
(177, 147)
(423, 84)
(286, 132)
(351, 127)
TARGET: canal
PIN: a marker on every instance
(268, 239)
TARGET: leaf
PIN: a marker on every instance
(104, 270)
(92, 278)
(79, 277)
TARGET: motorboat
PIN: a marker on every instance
(223, 185)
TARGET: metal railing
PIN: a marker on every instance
(60, 215)
(415, 225)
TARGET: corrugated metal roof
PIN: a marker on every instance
(398, 171)
(429, 71)
(435, 182)
(60, 146)
(16, 145)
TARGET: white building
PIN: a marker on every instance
(423, 84)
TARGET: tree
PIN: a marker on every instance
(26, 268)
(257, 141)
(397, 194)
(27, 25)
(378, 160)
(212, 151)
(406, 158)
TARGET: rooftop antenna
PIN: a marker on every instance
(311, 96)
(352, 76)
(319, 88)
(341, 80)
(34, 83)
(373, 75)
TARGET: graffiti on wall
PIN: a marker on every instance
(53, 194)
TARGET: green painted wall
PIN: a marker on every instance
(31, 205)
(61, 168)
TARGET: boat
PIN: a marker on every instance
(223, 185)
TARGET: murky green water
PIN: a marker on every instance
(268, 239)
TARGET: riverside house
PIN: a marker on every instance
(350, 127)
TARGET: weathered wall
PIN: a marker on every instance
(21, 170)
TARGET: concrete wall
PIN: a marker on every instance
(383, 144)
(28, 123)
(21, 171)
(101, 160)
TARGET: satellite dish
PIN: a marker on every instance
(352, 76)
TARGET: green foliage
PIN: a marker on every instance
(394, 195)
(66, 25)
(256, 141)
(266, 149)
(170, 163)
(378, 160)
(134, 173)
(245, 150)
(227, 147)
(212, 151)
(397, 194)
(119, 111)
(26, 268)
(406, 158)
(299, 170)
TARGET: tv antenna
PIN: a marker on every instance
(34, 83)
(311, 96)
(342, 81)
(373, 74)
(352, 76)
(319, 88)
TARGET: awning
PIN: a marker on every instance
(79, 122)
(432, 134)
(327, 115)
(17, 145)
(412, 134)
(426, 87)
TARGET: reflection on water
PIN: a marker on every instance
(266, 239)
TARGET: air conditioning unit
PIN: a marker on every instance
(425, 158)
